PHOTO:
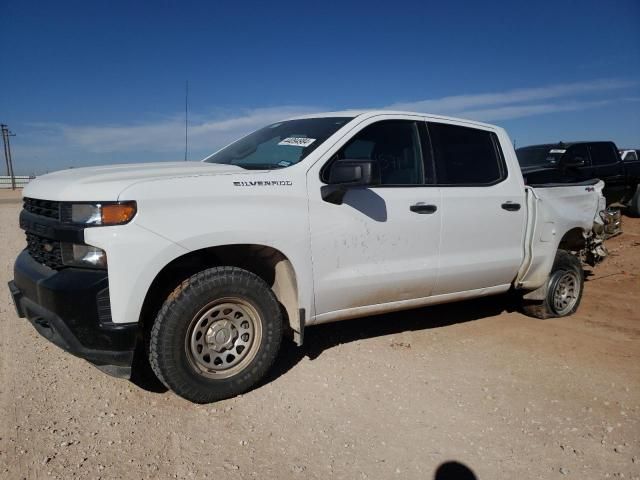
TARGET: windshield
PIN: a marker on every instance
(279, 145)
(543, 156)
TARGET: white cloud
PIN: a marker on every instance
(526, 110)
(169, 134)
(164, 139)
(460, 103)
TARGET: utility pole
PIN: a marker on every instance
(186, 119)
(7, 153)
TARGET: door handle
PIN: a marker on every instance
(423, 208)
(511, 206)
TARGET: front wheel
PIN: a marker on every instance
(216, 335)
(564, 289)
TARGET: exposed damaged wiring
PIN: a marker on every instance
(608, 225)
(594, 249)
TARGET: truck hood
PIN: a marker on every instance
(105, 183)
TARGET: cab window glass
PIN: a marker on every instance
(603, 154)
(576, 153)
(465, 156)
(395, 147)
(279, 145)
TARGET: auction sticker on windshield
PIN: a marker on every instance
(297, 141)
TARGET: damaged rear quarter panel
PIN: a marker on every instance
(553, 212)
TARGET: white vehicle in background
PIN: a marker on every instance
(629, 155)
(309, 220)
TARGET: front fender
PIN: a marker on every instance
(135, 256)
(189, 214)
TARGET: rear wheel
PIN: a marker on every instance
(564, 289)
(216, 335)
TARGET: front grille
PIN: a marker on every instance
(44, 208)
(45, 251)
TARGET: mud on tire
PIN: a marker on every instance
(216, 335)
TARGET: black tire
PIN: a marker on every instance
(566, 270)
(203, 323)
(633, 207)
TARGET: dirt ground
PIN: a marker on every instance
(393, 396)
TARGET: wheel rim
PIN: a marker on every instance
(566, 293)
(223, 337)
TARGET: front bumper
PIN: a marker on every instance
(70, 307)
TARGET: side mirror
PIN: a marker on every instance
(349, 173)
(352, 172)
(573, 162)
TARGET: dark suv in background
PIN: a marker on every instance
(581, 161)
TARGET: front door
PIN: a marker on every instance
(381, 245)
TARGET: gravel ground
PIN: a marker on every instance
(393, 396)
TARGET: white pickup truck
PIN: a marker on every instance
(315, 219)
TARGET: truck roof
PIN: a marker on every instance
(373, 113)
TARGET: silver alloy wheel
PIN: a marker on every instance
(223, 337)
(566, 292)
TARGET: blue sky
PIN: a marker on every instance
(84, 83)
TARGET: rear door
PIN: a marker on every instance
(483, 209)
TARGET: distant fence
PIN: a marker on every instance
(21, 181)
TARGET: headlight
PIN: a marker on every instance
(76, 255)
(86, 213)
(94, 214)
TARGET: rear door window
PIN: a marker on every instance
(603, 154)
(465, 156)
